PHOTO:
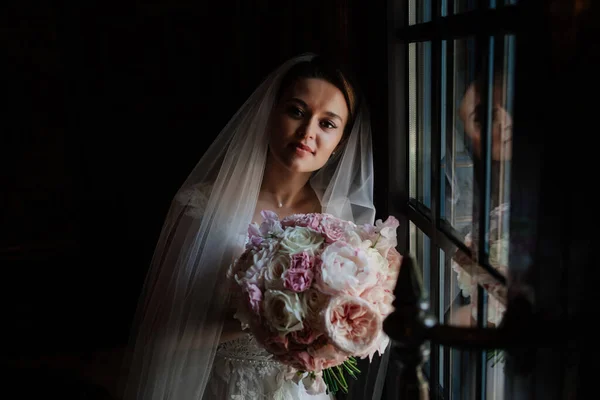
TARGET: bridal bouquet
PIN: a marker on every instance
(315, 292)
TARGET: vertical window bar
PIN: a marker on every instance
(447, 132)
(424, 117)
(398, 77)
(435, 136)
(435, 158)
(442, 128)
(485, 47)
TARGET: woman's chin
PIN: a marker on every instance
(301, 169)
(299, 166)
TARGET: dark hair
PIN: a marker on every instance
(321, 68)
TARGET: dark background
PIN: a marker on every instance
(109, 108)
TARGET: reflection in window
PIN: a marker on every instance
(463, 159)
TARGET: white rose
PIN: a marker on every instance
(255, 270)
(314, 303)
(283, 311)
(299, 239)
(273, 274)
(346, 270)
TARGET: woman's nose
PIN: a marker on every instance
(308, 130)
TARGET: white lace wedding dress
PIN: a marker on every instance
(242, 370)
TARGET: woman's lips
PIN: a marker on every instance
(302, 149)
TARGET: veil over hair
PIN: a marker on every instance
(181, 311)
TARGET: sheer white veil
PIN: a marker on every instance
(180, 314)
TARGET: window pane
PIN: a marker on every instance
(461, 300)
(451, 363)
(420, 122)
(458, 302)
(457, 162)
(419, 246)
(461, 146)
(412, 119)
(461, 6)
(419, 11)
(462, 365)
(463, 159)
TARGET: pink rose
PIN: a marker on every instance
(331, 230)
(308, 362)
(352, 324)
(299, 276)
(302, 361)
(276, 344)
(301, 261)
(328, 355)
(305, 336)
(254, 297)
(297, 280)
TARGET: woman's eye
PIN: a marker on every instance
(328, 124)
(296, 112)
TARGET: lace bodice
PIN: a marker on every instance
(242, 370)
(244, 348)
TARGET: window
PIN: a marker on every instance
(457, 62)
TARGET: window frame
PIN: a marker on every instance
(481, 24)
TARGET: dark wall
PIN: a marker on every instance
(109, 109)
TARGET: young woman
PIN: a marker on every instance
(301, 143)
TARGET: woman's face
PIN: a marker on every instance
(470, 113)
(307, 125)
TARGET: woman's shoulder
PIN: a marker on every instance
(195, 198)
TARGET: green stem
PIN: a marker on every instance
(354, 367)
(349, 371)
(338, 381)
(376, 240)
(331, 385)
(341, 375)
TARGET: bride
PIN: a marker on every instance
(301, 143)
